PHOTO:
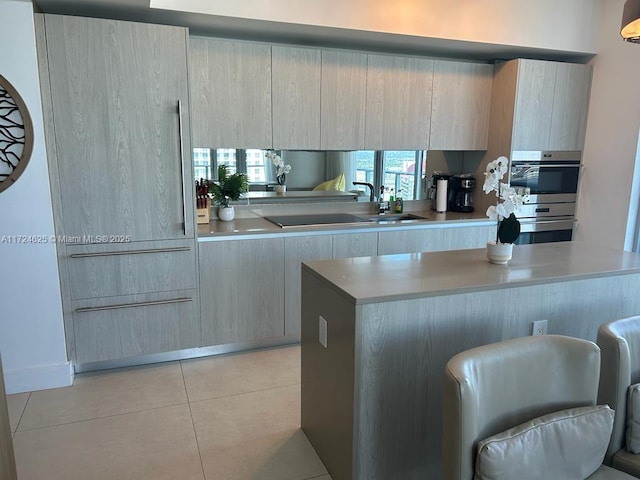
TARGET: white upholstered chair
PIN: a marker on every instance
(620, 344)
(544, 386)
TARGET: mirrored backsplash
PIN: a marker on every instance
(401, 171)
(404, 171)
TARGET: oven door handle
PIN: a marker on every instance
(551, 165)
(546, 225)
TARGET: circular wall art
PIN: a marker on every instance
(16, 134)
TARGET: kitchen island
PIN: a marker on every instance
(372, 394)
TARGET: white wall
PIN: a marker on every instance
(31, 327)
(612, 135)
(557, 25)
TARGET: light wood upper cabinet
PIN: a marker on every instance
(230, 85)
(344, 82)
(122, 146)
(534, 104)
(295, 85)
(461, 105)
(398, 102)
(570, 106)
(551, 105)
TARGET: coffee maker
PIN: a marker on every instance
(461, 192)
(432, 193)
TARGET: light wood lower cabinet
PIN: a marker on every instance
(119, 327)
(409, 241)
(434, 239)
(242, 290)
(250, 290)
(124, 269)
(467, 237)
(296, 251)
(355, 245)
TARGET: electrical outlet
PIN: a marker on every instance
(539, 328)
(322, 331)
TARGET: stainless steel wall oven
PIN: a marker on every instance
(550, 179)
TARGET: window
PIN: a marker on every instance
(250, 161)
(202, 163)
(257, 166)
(393, 169)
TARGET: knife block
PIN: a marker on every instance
(202, 214)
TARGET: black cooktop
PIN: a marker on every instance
(315, 219)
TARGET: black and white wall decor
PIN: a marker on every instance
(16, 134)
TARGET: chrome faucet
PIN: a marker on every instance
(371, 196)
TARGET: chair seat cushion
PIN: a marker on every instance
(569, 444)
(633, 419)
(608, 473)
(627, 462)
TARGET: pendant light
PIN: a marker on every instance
(630, 29)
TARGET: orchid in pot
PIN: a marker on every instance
(282, 170)
(509, 201)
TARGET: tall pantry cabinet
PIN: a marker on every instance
(116, 109)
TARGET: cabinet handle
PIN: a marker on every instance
(181, 144)
(130, 252)
(132, 305)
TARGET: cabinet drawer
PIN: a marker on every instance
(120, 327)
(111, 270)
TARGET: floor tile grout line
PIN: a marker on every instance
(245, 393)
(193, 424)
(24, 409)
(102, 417)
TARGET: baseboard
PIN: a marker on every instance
(38, 378)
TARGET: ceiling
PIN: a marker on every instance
(289, 33)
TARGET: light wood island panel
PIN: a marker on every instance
(371, 400)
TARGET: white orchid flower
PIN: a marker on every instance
(490, 182)
(502, 209)
(502, 165)
(281, 168)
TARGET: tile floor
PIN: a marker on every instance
(232, 417)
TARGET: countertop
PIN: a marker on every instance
(401, 277)
(254, 224)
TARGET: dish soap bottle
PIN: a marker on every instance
(399, 206)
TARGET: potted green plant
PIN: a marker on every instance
(508, 225)
(228, 188)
